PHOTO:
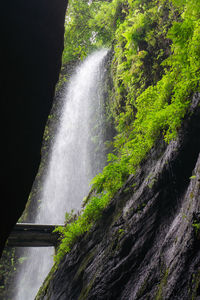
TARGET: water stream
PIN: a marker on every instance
(71, 165)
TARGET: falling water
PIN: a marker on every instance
(70, 167)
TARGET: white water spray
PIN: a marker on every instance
(70, 167)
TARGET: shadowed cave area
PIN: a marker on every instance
(32, 34)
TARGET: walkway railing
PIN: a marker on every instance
(33, 235)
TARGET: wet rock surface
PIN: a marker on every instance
(147, 244)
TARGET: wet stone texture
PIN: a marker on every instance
(147, 244)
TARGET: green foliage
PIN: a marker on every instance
(70, 217)
(196, 225)
(8, 264)
(74, 230)
(22, 259)
(106, 19)
(89, 25)
(77, 31)
(79, 34)
(155, 69)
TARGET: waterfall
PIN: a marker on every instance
(71, 165)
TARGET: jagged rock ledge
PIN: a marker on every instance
(146, 245)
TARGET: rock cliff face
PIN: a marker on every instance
(31, 47)
(147, 244)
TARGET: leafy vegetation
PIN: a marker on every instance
(155, 70)
(78, 32)
(8, 269)
(196, 225)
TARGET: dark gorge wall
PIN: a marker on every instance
(31, 47)
(147, 244)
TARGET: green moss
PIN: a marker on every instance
(115, 244)
(163, 283)
(86, 289)
(191, 195)
(151, 183)
(143, 287)
(84, 264)
(196, 225)
(9, 264)
(43, 289)
(121, 232)
(195, 285)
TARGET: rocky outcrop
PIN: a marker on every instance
(147, 243)
(31, 47)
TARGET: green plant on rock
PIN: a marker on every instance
(196, 225)
(72, 231)
(163, 282)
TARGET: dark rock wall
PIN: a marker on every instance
(146, 245)
(31, 44)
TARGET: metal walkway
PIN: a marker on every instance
(33, 235)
